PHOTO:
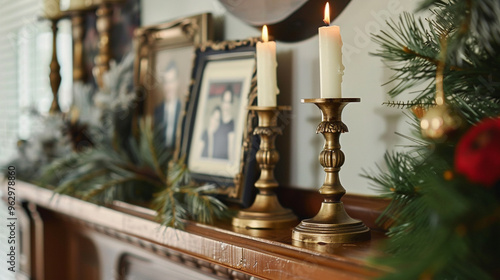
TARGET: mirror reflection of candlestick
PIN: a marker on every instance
(102, 59)
(55, 75)
(78, 31)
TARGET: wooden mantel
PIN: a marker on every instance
(218, 251)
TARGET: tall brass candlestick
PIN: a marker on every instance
(266, 212)
(55, 67)
(103, 25)
(77, 21)
(332, 224)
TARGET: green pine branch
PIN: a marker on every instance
(107, 172)
(184, 199)
(441, 226)
(411, 49)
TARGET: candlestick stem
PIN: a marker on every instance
(77, 21)
(55, 67)
(103, 25)
(332, 224)
(266, 211)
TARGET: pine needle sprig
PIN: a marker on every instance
(152, 149)
(184, 199)
(200, 198)
(407, 104)
(395, 181)
(171, 212)
(411, 50)
(97, 172)
(476, 20)
(55, 171)
(68, 186)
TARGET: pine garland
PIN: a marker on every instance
(442, 224)
(107, 172)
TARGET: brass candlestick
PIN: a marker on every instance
(331, 224)
(266, 212)
(77, 21)
(103, 25)
(55, 67)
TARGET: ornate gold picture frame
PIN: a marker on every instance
(162, 70)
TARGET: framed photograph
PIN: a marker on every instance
(163, 67)
(216, 142)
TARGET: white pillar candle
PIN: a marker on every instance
(330, 59)
(267, 85)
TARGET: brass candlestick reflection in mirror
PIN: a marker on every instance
(332, 224)
(103, 25)
(77, 21)
(266, 212)
(55, 67)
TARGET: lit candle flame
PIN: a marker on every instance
(265, 36)
(327, 14)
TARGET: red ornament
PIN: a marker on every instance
(477, 155)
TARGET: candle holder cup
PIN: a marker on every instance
(266, 212)
(331, 224)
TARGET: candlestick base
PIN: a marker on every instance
(266, 211)
(332, 224)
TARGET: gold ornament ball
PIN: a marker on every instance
(439, 122)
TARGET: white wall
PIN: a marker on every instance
(371, 125)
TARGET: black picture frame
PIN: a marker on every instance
(219, 68)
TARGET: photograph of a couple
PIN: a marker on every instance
(217, 140)
(217, 135)
(220, 120)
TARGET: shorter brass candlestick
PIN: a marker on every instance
(103, 25)
(266, 212)
(78, 30)
(332, 224)
(55, 67)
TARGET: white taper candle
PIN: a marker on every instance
(267, 85)
(330, 59)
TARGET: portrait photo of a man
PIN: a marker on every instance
(172, 78)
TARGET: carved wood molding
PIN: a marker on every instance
(170, 254)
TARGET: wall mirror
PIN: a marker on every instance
(287, 20)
